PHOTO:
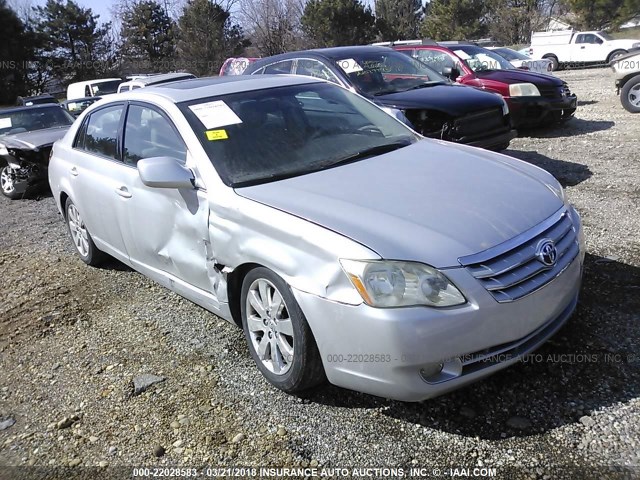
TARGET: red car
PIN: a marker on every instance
(534, 99)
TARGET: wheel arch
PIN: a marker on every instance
(234, 289)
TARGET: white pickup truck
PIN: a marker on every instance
(571, 48)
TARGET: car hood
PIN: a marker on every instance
(452, 99)
(34, 139)
(431, 201)
(519, 76)
(625, 44)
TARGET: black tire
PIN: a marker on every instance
(555, 64)
(92, 256)
(631, 89)
(304, 368)
(7, 188)
(615, 54)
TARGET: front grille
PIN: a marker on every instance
(512, 270)
(555, 92)
(479, 123)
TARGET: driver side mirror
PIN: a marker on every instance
(165, 172)
(451, 72)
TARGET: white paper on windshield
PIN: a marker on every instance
(349, 65)
(215, 114)
(5, 122)
(462, 54)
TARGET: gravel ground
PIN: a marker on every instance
(72, 338)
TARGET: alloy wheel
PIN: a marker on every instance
(78, 230)
(270, 327)
(6, 180)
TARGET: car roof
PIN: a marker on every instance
(161, 78)
(4, 111)
(195, 88)
(331, 53)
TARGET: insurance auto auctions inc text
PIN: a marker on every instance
(416, 472)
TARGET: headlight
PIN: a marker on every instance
(383, 283)
(3, 150)
(636, 45)
(523, 90)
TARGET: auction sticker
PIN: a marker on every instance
(216, 135)
(5, 122)
(349, 65)
(215, 114)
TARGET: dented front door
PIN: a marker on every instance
(165, 229)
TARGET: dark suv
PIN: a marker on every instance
(405, 88)
(534, 99)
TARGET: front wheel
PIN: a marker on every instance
(279, 337)
(630, 95)
(81, 237)
(7, 183)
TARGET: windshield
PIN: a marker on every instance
(265, 135)
(104, 88)
(511, 54)
(36, 118)
(388, 72)
(606, 36)
(480, 59)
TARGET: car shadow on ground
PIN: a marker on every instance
(590, 364)
(567, 173)
(575, 126)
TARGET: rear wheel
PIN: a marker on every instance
(616, 54)
(81, 237)
(7, 183)
(279, 337)
(555, 64)
(630, 95)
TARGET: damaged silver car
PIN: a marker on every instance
(26, 137)
(347, 247)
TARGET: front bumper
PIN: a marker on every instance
(387, 352)
(495, 141)
(534, 111)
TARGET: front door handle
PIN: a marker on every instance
(74, 171)
(123, 192)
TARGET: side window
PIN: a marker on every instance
(581, 39)
(134, 87)
(315, 68)
(279, 67)
(147, 134)
(101, 135)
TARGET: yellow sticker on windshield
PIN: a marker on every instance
(217, 135)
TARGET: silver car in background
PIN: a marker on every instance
(346, 246)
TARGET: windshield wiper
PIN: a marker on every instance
(424, 85)
(371, 152)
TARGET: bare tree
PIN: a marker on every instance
(272, 25)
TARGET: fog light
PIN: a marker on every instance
(442, 372)
(431, 371)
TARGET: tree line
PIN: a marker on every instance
(61, 41)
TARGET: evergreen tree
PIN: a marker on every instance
(329, 23)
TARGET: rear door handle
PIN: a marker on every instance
(123, 192)
(74, 171)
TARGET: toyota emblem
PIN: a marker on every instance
(547, 252)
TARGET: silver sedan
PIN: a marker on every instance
(347, 247)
